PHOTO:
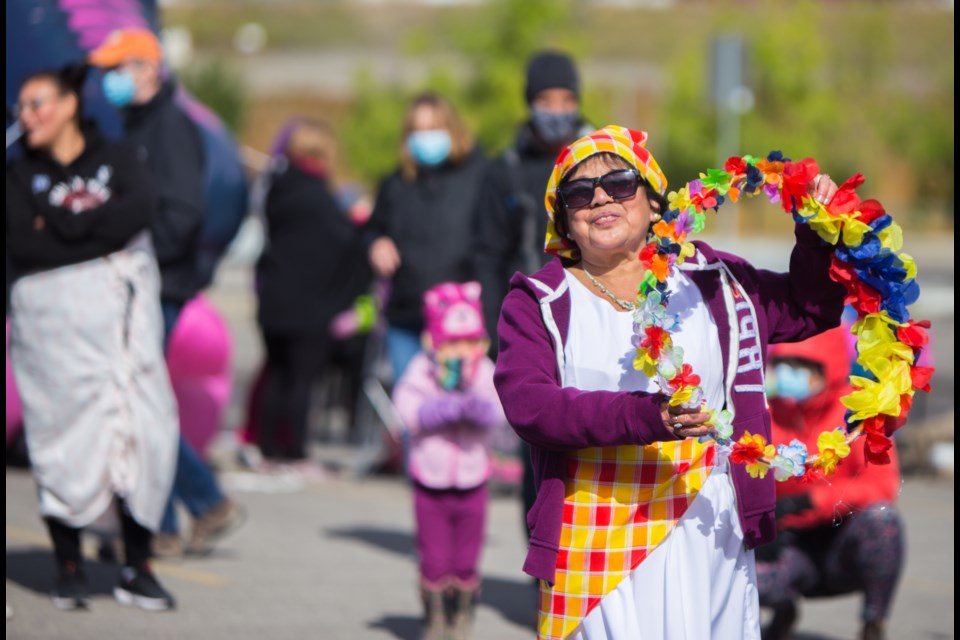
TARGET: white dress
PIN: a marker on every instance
(700, 582)
(100, 417)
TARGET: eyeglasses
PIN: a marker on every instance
(34, 105)
(619, 185)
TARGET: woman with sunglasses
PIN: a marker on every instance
(99, 414)
(639, 529)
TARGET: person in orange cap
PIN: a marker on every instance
(138, 83)
(134, 58)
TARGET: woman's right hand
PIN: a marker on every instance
(686, 423)
(384, 257)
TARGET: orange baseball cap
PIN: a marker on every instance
(124, 44)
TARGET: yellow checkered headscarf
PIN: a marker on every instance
(626, 143)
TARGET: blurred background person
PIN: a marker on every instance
(510, 217)
(510, 213)
(421, 229)
(839, 535)
(312, 268)
(99, 413)
(138, 83)
(449, 409)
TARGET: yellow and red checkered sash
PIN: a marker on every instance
(621, 502)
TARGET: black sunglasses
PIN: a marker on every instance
(619, 185)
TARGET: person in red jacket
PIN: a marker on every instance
(835, 536)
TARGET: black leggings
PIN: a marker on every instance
(864, 553)
(66, 542)
(293, 363)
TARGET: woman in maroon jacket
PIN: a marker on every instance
(835, 537)
(639, 529)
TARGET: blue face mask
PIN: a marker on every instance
(556, 127)
(119, 87)
(429, 148)
(792, 382)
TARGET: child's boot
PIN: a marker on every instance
(434, 619)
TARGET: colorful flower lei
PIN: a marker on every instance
(880, 282)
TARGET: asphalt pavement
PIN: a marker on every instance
(333, 559)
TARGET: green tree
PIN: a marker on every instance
(493, 42)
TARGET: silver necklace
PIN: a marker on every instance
(624, 304)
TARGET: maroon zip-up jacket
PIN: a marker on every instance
(553, 419)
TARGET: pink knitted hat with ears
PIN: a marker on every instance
(453, 312)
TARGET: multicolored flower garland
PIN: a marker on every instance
(880, 283)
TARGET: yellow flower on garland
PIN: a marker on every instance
(681, 395)
(759, 469)
(892, 238)
(854, 230)
(833, 448)
(645, 362)
(909, 264)
(874, 329)
(895, 373)
(820, 220)
(871, 398)
(679, 200)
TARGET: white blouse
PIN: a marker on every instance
(601, 335)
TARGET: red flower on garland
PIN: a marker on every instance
(877, 445)
(913, 334)
(748, 449)
(796, 177)
(846, 200)
(705, 200)
(735, 166)
(686, 378)
(656, 337)
(864, 298)
(870, 210)
(920, 377)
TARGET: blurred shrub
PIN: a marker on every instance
(860, 87)
(219, 88)
(495, 44)
(829, 93)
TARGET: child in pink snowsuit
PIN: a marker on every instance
(449, 407)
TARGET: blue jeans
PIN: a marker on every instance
(402, 345)
(194, 483)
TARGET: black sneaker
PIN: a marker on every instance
(70, 592)
(139, 587)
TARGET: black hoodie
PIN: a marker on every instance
(60, 215)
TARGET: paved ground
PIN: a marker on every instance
(333, 561)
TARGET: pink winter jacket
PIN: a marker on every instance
(453, 454)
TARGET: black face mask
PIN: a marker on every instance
(554, 127)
